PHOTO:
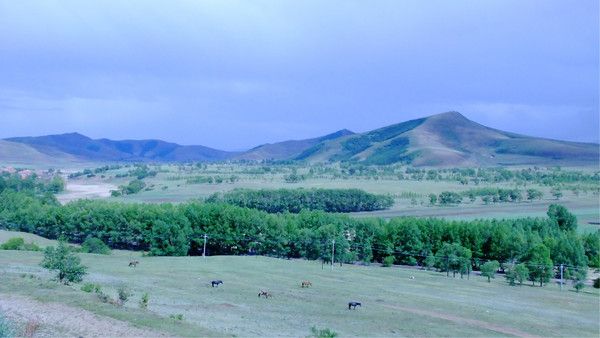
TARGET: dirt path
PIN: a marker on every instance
(57, 319)
(472, 322)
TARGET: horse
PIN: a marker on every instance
(264, 293)
(216, 282)
(353, 305)
(306, 284)
(133, 263)
(411, 277)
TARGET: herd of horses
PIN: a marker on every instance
(264, 293)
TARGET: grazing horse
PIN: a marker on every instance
(134, 263)
(353, 305)
(306, 284)
(216, 282)
(264, 293)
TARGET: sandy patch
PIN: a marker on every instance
(56, 319)
(75, 191)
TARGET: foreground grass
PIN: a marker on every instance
(393, 304)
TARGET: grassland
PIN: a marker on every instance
(171, 184)
(393, 304)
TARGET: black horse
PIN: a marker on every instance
(353, 305)
(216, 282)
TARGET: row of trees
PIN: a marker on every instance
(167, 229)
(295, 200)
(487, 195)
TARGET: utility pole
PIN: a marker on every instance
(332, 253)
(204, 250)
(561, 277)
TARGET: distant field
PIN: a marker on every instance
(411, 196)
(393, 304)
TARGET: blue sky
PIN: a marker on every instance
(234, 74)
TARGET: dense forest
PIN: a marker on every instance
(296, 200)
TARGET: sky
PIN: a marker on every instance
(235, 74)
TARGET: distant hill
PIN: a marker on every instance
(447, 140)
(288, 149)
(81, 147)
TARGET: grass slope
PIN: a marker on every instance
(450, 139)
(393, 304)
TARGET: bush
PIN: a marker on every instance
(14, 243)
(178, 316)
(144, 301)
(95, 245)
(597, 283)
(89, 287)
(18, 243)
(65, 262)
(388, 261)
(322, 333)
(124, 294)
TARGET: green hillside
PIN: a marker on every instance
(449, 139)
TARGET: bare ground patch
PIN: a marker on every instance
(56, 319)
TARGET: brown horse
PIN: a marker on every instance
(306, 284)
(264, 293)
(134, 263)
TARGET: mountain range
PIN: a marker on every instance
(447, 139)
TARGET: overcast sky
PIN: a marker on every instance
(234, 74)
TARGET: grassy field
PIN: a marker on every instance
(393, 304)
(411, 196)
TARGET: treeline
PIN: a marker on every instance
(31, 184)
(488, 195)
(167, 229)
(296, 200)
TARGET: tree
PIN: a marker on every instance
(453, 257)
(432, 199)
(533, 194)
(489, 269)
(579, 279)
(556, 192)
(562, 217)
(517, 272)
(65, 262)
(539, 264)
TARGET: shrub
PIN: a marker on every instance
(18, 243)
(89, 287)
(15, 243)
(95, 245)
(104, 298)
(144, 301)
(65, 262)
(597, 283)
(178, 316)
(388, 261)
(322, 333)
(124, 294)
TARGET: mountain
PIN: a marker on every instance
(83, 148)
(288, 149)
(449, 139)
(444, 140)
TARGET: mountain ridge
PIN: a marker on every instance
(446, 139)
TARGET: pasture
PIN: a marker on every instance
(393, 304)
(171, 184)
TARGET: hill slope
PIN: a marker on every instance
(288, 149)
(449, 139)
(84, 148)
